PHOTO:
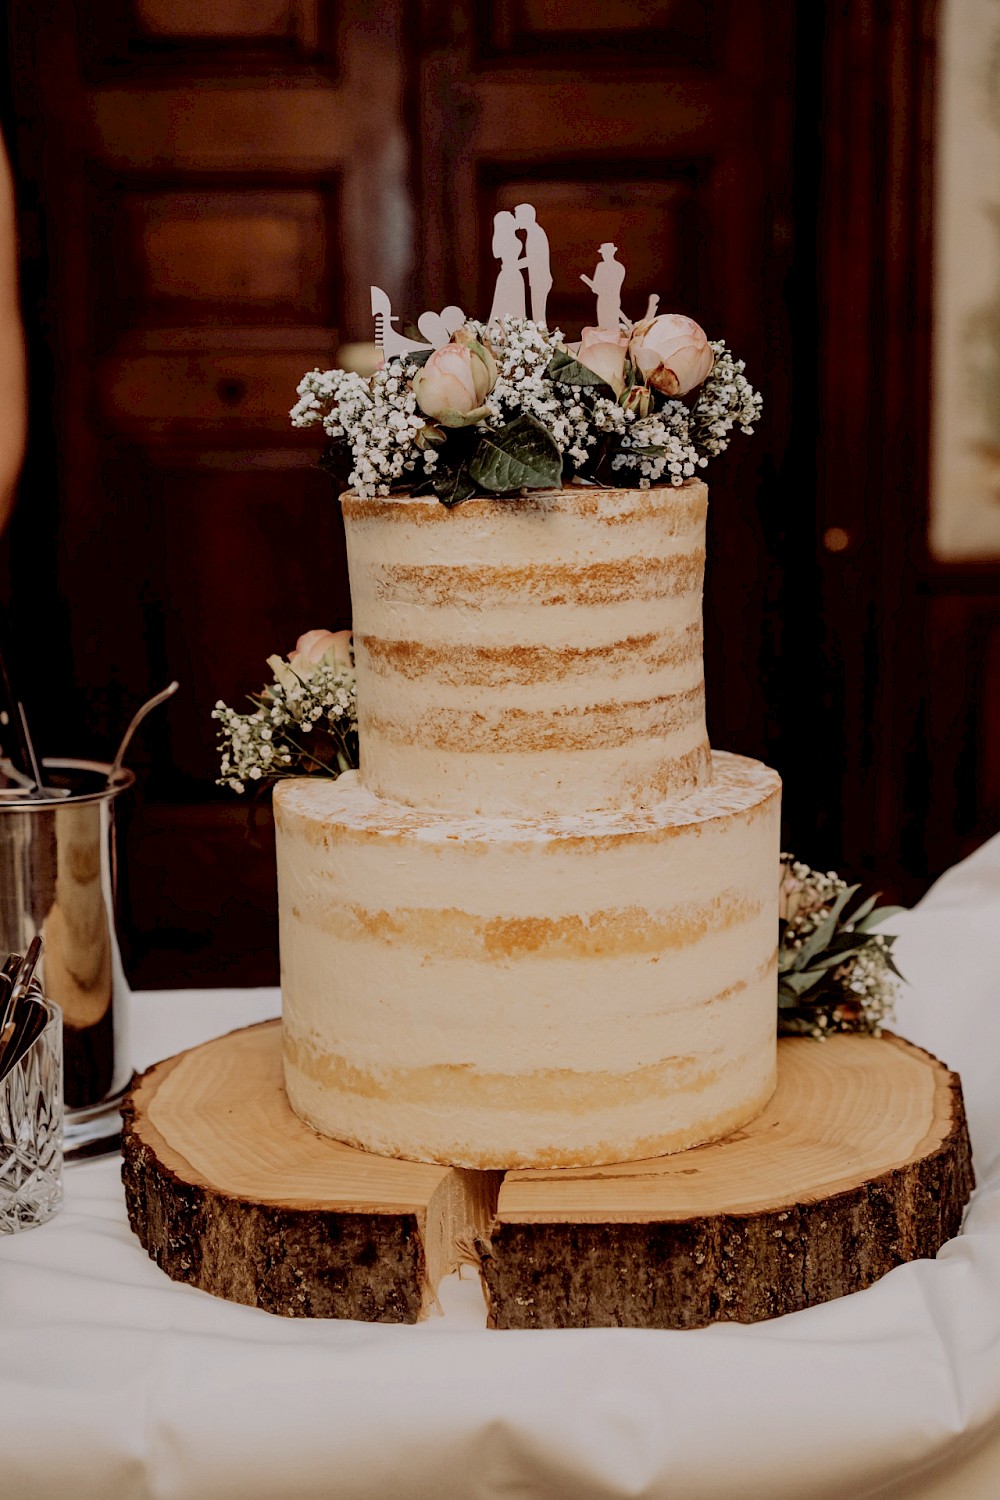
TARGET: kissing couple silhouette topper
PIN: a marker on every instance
(509, 293)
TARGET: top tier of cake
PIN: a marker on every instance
(538, 656)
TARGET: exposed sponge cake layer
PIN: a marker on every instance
(537, 656)
(547, 991)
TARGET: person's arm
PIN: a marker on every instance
(13, 386)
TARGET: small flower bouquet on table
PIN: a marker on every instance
(303, 723)
(834, 972)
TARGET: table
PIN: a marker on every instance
(118, 1384)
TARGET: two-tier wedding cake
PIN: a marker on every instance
(538, 927)
(528, 918)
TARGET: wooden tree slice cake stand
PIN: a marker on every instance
(860, 1162)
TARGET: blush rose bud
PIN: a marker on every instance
(603, 350)
(671, 353)
(455, 380)
(484, 366)
(329, 648)
(638, 399)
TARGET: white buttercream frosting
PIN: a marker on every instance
(557, 990)
(533, 656)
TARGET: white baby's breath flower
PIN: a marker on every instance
(268, 743)
(379, 420)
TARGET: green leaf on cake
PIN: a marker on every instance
(891, 964)
(799, 981)
(454, 485)
(564, 369)
(521, 456)
(338, 461)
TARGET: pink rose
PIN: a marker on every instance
(329, 648)
(311, 648)
(671, 353)
(455, 380)
(603, 350)
(484, 365)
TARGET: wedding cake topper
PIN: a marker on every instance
(607, 283)
(461, 407)
(521, 245)
(437, 328)
(509, 298)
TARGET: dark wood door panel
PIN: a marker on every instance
(295, 135)
(249, 559)
(491, 127)
(961, 796)
(243, 395)
(726, 125)
(224, 36)
(188, 21)
(225, 255)
(219, 182)
(199, 894)
(631, 31)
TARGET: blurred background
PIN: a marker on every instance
(205, 191)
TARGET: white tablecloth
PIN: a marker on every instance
(118, 1384)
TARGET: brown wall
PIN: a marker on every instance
(207, 192)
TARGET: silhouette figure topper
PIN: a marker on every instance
(521, 245)
(515, 257)
(508, 294)
(607, 283)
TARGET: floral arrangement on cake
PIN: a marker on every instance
(834, 972)
(304, 723)
(510, 407)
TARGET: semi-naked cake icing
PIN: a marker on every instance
(541, 655)
(539, 926)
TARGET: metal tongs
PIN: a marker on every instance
(23, 1017)
(25, 781)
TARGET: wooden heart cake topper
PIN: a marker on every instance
(437, 328)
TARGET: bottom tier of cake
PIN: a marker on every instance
(554, 992)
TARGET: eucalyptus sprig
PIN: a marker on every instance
(835, 973)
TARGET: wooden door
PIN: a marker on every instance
(208, 188)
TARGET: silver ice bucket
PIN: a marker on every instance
(58, 867)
